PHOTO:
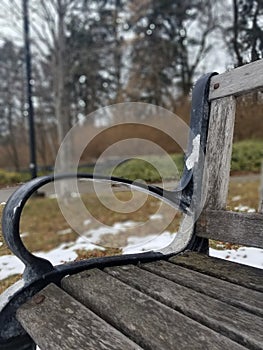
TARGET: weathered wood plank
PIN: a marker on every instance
(218, 152)
(236, 295)
(227, 226)
(237, 81)
(56, 321)
(242, 275)
(234, 323)
(145, 320)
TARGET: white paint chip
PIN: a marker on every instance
(194, 156)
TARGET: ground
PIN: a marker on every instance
(45, 231)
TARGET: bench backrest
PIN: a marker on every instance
(215, 222)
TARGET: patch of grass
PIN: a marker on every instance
(41, 220)
(247, 156)
(12, 178)
(7, 282)
(9, 178)
(151, 168)
(245, 193)
(97, 253)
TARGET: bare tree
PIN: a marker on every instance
(51, 40)
(11, 99)
(244, 36)
(170, 42)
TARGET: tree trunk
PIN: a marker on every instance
(235, 38)
(61, 105)
(12, 140)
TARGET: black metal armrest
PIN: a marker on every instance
(35, 266)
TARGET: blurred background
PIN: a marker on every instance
(89, 54)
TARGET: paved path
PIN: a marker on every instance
(86, 187)
(6, 193)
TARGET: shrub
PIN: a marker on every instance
(247, 156)
(9, 178)
(151, 168)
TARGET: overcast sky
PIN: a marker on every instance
(11, 27)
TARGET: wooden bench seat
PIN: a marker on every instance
(190, 301)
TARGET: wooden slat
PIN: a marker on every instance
(145, 320)
(218, 153)
(227, 226)
(245, 276)
(56, 321)
(237, 81)
(234, 323)
(236, 295)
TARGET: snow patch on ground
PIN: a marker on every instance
(94, 235)
(86, 222)
(244, 208)
(243, 255)
(155, 217)
(11, 265)
(151, 242)
(64, 232)
(236, 198)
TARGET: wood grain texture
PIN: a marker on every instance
(149, 323)
(234, 323)
(218, 152)
(227, 226)
(242, 275)
(232, 294)
(237, 81)
(60, 322)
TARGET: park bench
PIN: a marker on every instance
(175, 298)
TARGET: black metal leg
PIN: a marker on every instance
(19, 343)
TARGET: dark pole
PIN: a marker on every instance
(30, 109)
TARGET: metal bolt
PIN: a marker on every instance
(216, 86)
(38, 299)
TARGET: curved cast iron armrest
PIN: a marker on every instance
(35, 266)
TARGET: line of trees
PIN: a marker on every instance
(88, 54)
